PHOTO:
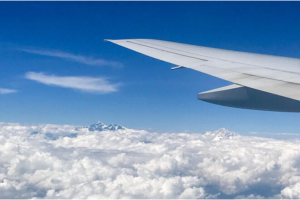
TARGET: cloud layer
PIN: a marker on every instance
(86, 84)
(55, 161)
(7, 91)
(72, 57)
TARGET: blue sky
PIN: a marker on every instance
(46, 42)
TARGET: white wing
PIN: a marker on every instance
(272, 74)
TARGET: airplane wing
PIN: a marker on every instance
(254, 74)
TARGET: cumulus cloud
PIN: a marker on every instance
(86, 84)
(55, 161)
(7, 91)
(72, 57)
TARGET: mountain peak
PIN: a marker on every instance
(98, 126)
(222, 133)
(114, 127)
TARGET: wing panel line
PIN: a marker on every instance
(209, 56)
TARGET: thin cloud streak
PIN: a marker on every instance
(7, 91)
(82, 83)
(73, 57)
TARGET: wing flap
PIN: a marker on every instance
(279, 87)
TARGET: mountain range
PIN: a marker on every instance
(211, 135)
(99, 126)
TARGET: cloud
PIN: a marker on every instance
(277, 135)
(7, 91)
(72, 57)
(82, 83)
(139, 164)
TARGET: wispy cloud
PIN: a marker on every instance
(7, 91)
(73, 57)
(86, 84)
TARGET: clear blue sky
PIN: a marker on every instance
(149, 94)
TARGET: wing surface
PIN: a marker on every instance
(272, 74)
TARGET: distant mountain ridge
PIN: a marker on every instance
(99, 126)
(221, 134)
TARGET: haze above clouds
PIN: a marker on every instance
(57, 161)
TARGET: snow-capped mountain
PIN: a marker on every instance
(99, 126)
(221, 134)
(114, 127)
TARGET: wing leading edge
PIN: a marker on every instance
(270, 74)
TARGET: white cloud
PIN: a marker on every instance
(7, 91)
(55, 161)
(72, 57)
(86, 84)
